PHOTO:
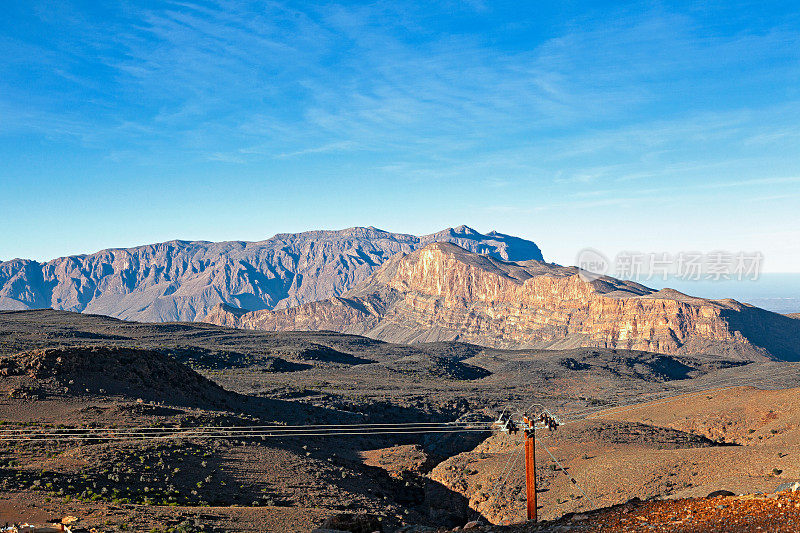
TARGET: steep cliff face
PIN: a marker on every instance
(443, 292)
(180, 280)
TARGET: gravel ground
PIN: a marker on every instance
(735, 514)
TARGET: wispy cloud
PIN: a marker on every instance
(206, 74)
(226, 158)
(510, 111)
(342, 146)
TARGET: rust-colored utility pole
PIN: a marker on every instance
(508, 425)
(530, 467)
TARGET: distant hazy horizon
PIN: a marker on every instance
(778, 292)
(774, 291)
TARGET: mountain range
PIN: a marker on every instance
(457, 284)
(443, 292)
(183, 280)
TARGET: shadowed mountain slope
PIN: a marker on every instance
(116, 371)
(183, 280)
(443, 292)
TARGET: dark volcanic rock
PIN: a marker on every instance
(326, 354)
(721, 494)
(438, 367)
(355, 523)
(132, 373)
(276, 364)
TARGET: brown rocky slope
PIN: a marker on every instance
(183, 280)
(133, 373)
(443, 292)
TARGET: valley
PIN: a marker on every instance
(729, 423)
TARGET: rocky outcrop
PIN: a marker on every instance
(443, 292)
(181, 280)
(116, 371)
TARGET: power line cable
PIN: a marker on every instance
(184, 435)
(271, 426)
(241, 429)
(138, 431)
(512, 459)
(264, 428)
(571, 478)
(740, 382)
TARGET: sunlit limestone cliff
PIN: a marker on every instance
(444, 292)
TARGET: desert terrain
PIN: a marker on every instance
(399, 267)
(712, 423)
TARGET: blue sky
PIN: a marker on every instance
(636, 126)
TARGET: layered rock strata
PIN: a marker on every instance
(183, 280)
(443, 292)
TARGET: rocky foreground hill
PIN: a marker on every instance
(444, 292)
(181, 280)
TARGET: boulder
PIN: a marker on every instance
(353, 523)
(721, 494)
(790, 486)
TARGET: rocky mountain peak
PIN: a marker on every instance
(443, 292)
(464, 230)
(184, 280)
